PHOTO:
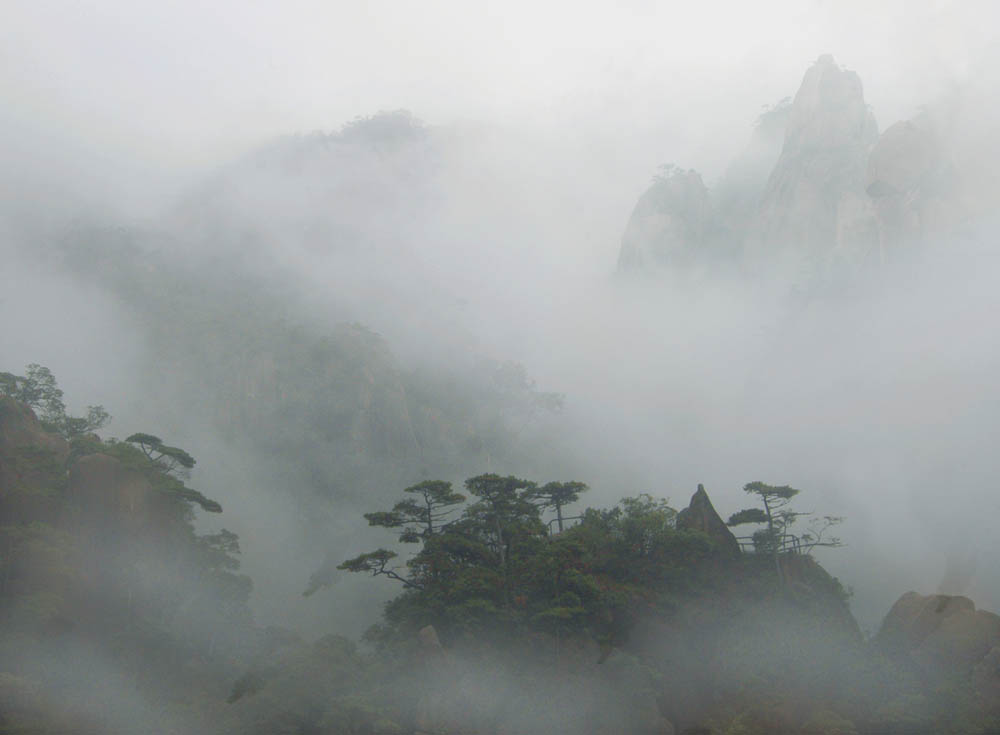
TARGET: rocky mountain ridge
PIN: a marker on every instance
(839, 197)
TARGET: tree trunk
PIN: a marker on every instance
(775, 543)
(501, 550)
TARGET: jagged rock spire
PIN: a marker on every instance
(700, 515)
(817, 188)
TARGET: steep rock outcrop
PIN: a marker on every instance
(739, 191)
(815, 197)
(672, 224)
(32, 465)
(714, 642)
(794, 203)
(109, 494)
(700, 515)
(29, 455)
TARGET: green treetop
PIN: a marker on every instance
(38, 389)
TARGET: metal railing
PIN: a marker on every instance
(789, 544)
(553, 525)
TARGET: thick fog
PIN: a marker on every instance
(458, 178)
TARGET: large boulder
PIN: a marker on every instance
(941, 634)
(700, 515)
(961, 641)
(913, 617)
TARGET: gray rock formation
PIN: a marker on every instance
(738, 193)
(672, 223)
(941, 634)
(986, 677)
(908, 181)
(700, 515)
(794, 204)
(818, 198)
(815, 197)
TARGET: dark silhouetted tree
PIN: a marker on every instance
(778, 518)
(557, 495)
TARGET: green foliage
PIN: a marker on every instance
(38, 388)
(220, 549)
(748, 515)
(667, 171)
(373, 561)
(169, 459)
(773, 118)
(777, 658)
(193, 496)
(557, 495)
(164, 466)
(422, 515)
(772, 492)
(495, 569)
(779, 518)
(96, 418)
(104, 554)
(420, 518)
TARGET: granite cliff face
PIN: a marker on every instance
(738, 193)
(816, 189)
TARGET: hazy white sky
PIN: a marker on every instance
(172, 83)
